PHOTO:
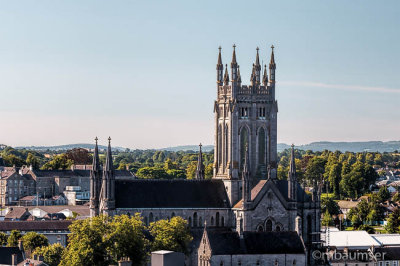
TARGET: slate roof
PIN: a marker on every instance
(282, 186)
(142, 193)
(229, 242)
(6, 255)
(17, 214)
(59, 225)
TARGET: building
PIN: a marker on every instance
(244, 196)
(75, 195)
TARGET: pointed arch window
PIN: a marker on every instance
(268, 226)
(217, 219)
(212, 221)
(195, 219)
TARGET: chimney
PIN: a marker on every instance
(14, 259)
(40, 258)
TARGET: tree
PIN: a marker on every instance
(60, 161)
(32, 240)
(87, 245)
(393, 222)
(315, 169)
(52, 254)
(3, 239)
(171, 235)
(152, 173)
(368, 228)
(33, 160)
(383, 194)
(334, 177)
(396, 197)
(191, 170)
(127, 238)
(328, 204)
(12, 240)
(327, 219)
(208, 171)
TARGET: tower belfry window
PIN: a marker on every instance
(244, 112)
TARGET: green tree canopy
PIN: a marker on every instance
(52, 254)
(170, 234)
(13, 238)
(3, 239)
(32, 240)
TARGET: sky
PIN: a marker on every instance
(143, 72)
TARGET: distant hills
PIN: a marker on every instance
(67, 147)
(380, 146)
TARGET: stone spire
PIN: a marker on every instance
(220, 68)
(95, 182)
(226, 77)
(265, 76)
(246, 179)
(108, 186)
(272, 66)
(200, 165)
(257, 67)
(292, 179)
(109, 161)
(234, 65)
(253, 77)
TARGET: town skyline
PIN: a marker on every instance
(69, 79)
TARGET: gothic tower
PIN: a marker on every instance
(245, 115)
(95, 182)
(108, 186)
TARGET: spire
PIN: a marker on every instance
(265, 76)
(109, 161)
(257, 57)
(226, 77)
(96, 160)
(234, 63)
(292, 180)
(292, 162)
(272, 66)
(200, 165)
(272, 62)
(220, 68)
(239, 76)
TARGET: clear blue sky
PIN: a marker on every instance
(144, 71)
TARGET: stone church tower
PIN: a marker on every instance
(245, 115)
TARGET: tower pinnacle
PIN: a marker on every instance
(200, 165)
(220, 68)
(272, 66)
(265, 76)
(226, 78)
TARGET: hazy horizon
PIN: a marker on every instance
(74, 70)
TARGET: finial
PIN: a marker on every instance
(200, 145)
(272, 47)
(292, 145)
(257, 48)
(109, 140)
(219, 48)
(234, 46)
(96, 139)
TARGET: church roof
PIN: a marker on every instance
(228, 242)
(142, 193)
(282, 186)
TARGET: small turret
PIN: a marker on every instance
(239, 77)
(272, 66)
(200, 165)
(226, 77)
(220, 68)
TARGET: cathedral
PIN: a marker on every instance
(244, 215)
